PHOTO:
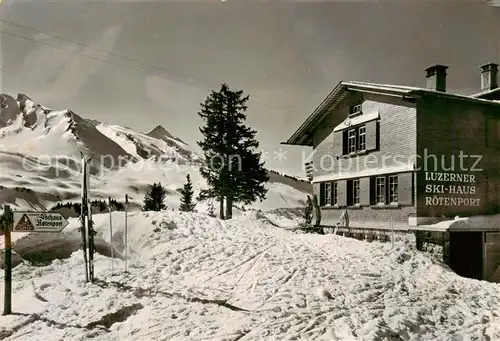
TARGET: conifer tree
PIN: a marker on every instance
(154, 200)
(233, 169)
(187, 193)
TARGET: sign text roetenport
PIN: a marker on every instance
(26, 221)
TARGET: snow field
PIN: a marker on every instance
(193, 277)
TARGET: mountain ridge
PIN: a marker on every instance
(42, 147)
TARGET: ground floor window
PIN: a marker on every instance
(380, 190)
(393, 189)
(353, 187)
(328, 193)
(387, 189)
(334, 193)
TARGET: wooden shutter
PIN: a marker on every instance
(342, 193)
(405, 186)
(317, 190)
(321, 197)
(338, 140)
(371, 135)
(364, 189)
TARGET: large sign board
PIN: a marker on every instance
(26, 221)
(451, 189)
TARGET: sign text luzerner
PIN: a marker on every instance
(454, 195)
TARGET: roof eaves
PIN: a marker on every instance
(455, 96)
(298, 137)
(335, 96)
(485, 93)
(382, 87)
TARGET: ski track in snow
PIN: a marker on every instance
(193, 277)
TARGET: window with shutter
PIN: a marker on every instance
(322, 194)
(328, 194)
(371, 135)
(355, 189)
(316, 190)
(364, 185)
(351, 140)
(380, 190)
(393, 189)
(342, 193)
(338, 142)
(362, 138)
(335, 193)
(405, 189)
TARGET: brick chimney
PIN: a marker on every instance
(489, 76)
(436, 77)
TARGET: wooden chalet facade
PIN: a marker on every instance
(400, 158)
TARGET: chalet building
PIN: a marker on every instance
(403, 157)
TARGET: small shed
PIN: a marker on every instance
(471, 246)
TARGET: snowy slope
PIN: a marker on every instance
(40, 156)
(193, 277)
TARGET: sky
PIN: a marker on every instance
(140, 64)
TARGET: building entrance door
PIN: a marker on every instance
(466, 254)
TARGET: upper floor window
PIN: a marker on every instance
(356, 139)
(358, 134)
(355, 110)
(351, 140)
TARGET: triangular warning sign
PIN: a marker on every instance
(24, 224)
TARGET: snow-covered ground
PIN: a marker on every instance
(192, 277)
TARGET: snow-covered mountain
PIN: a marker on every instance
(40, 159)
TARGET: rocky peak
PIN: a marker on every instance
(159, 132)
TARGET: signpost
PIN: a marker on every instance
(6, 221)
(126, 232)
(111, 233)
(86, 223)
(24, 221)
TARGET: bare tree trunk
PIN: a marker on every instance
(221, 207)
(229, 207)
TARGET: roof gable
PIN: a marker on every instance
(304, 134)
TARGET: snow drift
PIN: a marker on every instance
(193, 277)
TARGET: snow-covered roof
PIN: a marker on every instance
(303, 135)
(485, 93)
(370, 116)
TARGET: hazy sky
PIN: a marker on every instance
(144, 64)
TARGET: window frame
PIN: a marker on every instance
(355, 110)
(356, 191)
(380, 190)
(392, 189)
(361, 146)
(335, 191)
(352, 137)
(328, 193)
(355, 140)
